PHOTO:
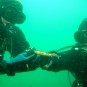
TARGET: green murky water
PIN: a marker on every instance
(50, 25)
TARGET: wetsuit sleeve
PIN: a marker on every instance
(18, 43)
(47, 61)
(63, 61)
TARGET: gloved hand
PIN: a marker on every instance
(21, 57)
(23, 62)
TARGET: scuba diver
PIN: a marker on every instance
(24, 59)
(73, 60)
(12, 38)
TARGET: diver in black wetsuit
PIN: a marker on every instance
(12, 38)
(74, 60)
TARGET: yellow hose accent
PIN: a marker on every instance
(44, 53)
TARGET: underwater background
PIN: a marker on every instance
(50, 25)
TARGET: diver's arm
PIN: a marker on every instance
(55, 62)
(18, 42)
(48, 61)
(27, 61)
(62, 61)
